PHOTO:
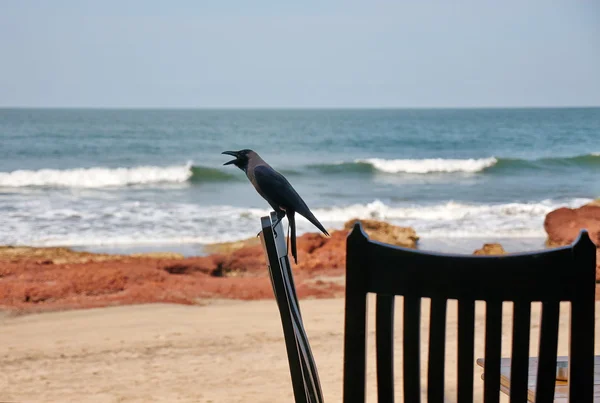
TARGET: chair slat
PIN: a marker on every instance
(466, 342)
(308, 366)
(411, 349)
(283, 303)
(385, 347)
(519, 365)
(493, 349)
(312, 386)
(287, 268)
(437, 347)
(546, 376)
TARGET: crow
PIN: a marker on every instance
(276, 190)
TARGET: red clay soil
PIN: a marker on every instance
(41, 279)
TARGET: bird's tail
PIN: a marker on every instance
(311, 217)
(292, 221)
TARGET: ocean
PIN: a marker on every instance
(137, 180)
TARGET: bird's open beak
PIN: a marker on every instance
(233, 154)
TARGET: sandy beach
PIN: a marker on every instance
(223, 351)
(84, 327)
(142, 145)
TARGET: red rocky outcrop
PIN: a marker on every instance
(564, 224)
(39, 279)
(490, 249)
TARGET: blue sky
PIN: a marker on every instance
(461, 53)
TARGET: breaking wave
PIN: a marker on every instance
(442, 165)
(424, 166)
(101, 177)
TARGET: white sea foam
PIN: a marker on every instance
(423, 166)
(454, 219)
(96, 177)
(64, 220)
(61, 220)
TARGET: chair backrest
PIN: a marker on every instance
(550, 276)
(305, 379)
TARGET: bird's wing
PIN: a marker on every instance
(279, 192)
(276, 189)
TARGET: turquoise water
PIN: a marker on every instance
(99, 178)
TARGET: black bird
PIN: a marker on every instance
(276, 190)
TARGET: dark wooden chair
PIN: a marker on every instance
(305, 379)
(550, 276)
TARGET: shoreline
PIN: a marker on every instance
(61, 278)
(462, 245)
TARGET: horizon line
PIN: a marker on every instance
(2, 107)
